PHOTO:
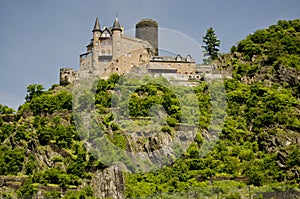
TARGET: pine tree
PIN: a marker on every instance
(211, 47)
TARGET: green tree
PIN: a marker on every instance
(211, 47)
(6, 110)
(33, 90)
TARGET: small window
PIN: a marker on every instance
(129, 55)
(117, 69)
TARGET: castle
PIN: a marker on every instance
(111, 51)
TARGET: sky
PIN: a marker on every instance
(38, 37)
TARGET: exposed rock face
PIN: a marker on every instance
(108, 183)
(283, 74)
(67, 76)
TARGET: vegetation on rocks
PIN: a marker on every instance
(258, 147)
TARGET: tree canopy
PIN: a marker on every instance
(211, 47)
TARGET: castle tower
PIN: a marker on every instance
(116, 37)
(147, 29)
(96, 43)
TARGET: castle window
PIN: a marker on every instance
(188, 58)
(178, 58)
(129, 55)
(130, 45)
(118, 43)
(117, 69)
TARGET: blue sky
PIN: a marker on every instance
(37, 37)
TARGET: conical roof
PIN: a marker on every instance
(116, 25)
(97, 25)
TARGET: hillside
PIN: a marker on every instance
(48, 147)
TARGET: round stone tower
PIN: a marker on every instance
(147, 29)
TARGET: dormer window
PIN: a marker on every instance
(188, 58)
(178, 58)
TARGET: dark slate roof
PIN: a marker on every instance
(97, 25)
(178, 58)
(116, 25)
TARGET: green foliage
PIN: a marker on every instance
(166, 129)
(258, 112)
(48, 103)
(120, 141)
(171, 121)
(144, 97)
(211, 47)
(6, 110)
(10, 160)
(5, 130)
(27, 190)
(85, 193)
(53, 194)
(31, 165)
(56, 176)
(257, 145)
(33, 90)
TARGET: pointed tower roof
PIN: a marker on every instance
(116, 25)
(97, 25)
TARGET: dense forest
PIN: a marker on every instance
(257, 150)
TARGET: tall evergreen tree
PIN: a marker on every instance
(211, 47)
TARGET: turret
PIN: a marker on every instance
(147, 29)
(96, 43)
(96, 32)
(116, 37)
(116, 29)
